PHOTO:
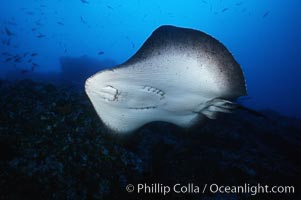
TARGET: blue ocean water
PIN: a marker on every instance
(264, 37)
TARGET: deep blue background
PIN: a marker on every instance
(264, 37)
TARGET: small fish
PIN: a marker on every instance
(35, 64)
(24, 71)
(265, 14)
(8, 32)
(13, 23)
(225, 9)
(101, 53)
(38, 23)
(33, 29)
(18, 60)
(7, 42)
(8, 59)
(60, 23)
(30, 13)
(25, 54)
(41, 36)
(34, 54)
(29, 61)
(85, 1)
(133, 45)
(83, 20)
(5, 53)
(108, 6)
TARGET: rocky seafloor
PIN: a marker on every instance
(53, 146)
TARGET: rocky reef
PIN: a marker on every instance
(53, 146)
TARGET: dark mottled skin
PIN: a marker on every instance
(197, 44)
